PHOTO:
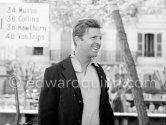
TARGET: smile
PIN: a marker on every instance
(96, 48)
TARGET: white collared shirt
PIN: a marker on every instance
(90, 90)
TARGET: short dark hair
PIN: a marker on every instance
(81, 27)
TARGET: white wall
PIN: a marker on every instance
(10, 1)
(54, 37)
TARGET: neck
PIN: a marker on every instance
(84, 61)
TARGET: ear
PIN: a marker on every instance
(77, 40)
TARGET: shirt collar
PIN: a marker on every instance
(77, 65)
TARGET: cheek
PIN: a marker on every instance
(86, 46)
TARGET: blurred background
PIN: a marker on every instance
(35, 34)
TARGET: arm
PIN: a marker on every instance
(108, 112)
(49, 100)
(109, 116)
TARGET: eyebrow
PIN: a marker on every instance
(96, 36)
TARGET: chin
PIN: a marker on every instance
(94, 55)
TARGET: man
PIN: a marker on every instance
(77, 94)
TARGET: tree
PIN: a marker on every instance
(65, 13)
(136, 90)
(26, 75)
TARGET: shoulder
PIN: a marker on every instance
(54, 67)
(57, 67)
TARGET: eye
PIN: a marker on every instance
(96, 37)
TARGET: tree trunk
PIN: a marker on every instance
(136, 90)
(24, 99)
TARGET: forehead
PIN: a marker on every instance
(93, 32)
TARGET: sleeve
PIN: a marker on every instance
(48, 101)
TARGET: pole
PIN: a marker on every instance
(16, 101)
(14, 80)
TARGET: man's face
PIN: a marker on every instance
(91, 42)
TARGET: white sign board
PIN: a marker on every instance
(24, 24)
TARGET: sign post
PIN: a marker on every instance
(24, 24)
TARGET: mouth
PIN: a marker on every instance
(96, 47)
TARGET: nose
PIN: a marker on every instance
(98, 40)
